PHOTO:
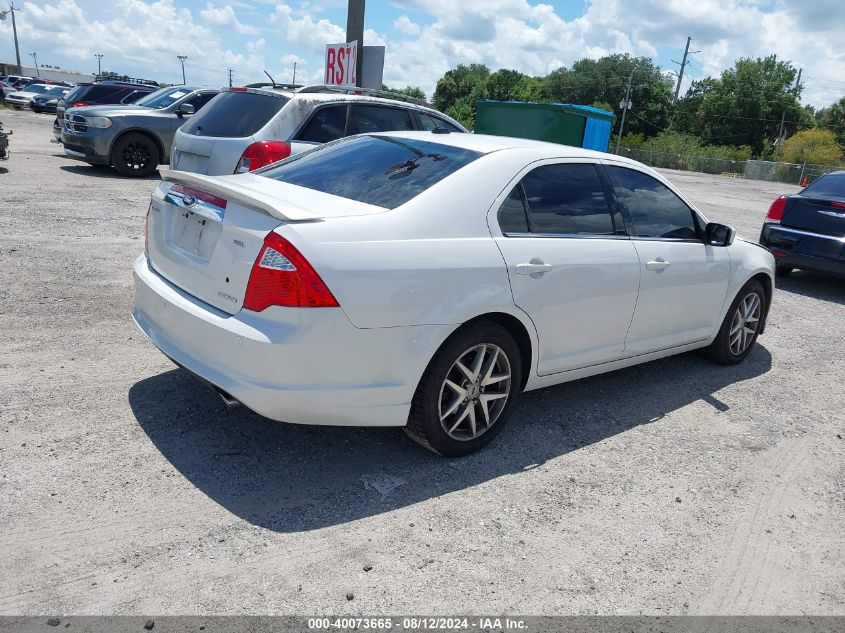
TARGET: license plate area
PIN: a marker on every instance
(194, 235)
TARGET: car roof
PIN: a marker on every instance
(487, 143)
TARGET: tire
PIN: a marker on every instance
(135, 155)
(464, 430)
(783, 271)
(726, 348)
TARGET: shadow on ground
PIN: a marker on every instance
(288, 477)
(813, 285)
(102, 171)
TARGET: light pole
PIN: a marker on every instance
(34, 56)
(12, 8)
(99, 56)
(182, 59)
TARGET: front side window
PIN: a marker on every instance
(327, 124)
(378, 170)
(200, 100)
(567, 199)
(163, 98)
(366, 119)
(655, 210)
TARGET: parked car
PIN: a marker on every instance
(134, 138)
(101, 93)
(251, 127)
(425, 279)
(4, 143)
(22, 98)
(807, 230)
(47, 102)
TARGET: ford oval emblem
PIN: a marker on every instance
(189, 200)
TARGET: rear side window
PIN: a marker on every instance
(567, 199)
(654, 208)
(97, 93)
(512, 218)
(74, 93)
(364, 119)
(326, 124)
(378, 170)
(428, 123)
(829, 186)
(235, 114)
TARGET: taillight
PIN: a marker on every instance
(262, 153)
(776, 210)
(79, 104)
(838, 205)
(237, 89)
(281, 276)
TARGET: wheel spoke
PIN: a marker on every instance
(452, 408)
(466, 371)
(456, 388)
(478, 363)
(461, 417)
(489, 397)
(471, 408)
(489, 365)
(485, 410)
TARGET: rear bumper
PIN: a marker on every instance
(291, 365)
(804, 249)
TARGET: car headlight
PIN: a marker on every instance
(98, 121)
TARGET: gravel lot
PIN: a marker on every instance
(675, 487)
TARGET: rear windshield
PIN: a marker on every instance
(235, 114)
(380, 170)
(829, 186)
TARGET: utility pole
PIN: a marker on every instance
(683, 64)
(182, 59)
(12, 8)
(625, 105)
(34, 56)
(783, 114)
(99, 57)
(230, 76)
(294, 74)
(355, 32)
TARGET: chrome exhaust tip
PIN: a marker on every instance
(228, 399)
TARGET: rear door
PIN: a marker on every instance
(683, 281)
(570, 264)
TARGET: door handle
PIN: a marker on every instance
(658, 265)
(535, 267)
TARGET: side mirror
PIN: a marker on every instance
(186, 109)
(719, 234)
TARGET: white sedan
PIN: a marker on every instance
(425, 279)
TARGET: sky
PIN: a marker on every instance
(425, 38)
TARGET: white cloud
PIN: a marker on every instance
(225, 17)
(405, 25)
(304, 32)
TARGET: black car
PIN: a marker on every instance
(807, 230)
(44, 103)
(104, 92)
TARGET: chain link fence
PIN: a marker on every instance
(791, 173)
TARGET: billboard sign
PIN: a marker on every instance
(341, 60)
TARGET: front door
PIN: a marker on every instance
(571, 268)
(683, 281)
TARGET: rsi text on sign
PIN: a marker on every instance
(340, 64)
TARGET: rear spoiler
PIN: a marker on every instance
(246, 189)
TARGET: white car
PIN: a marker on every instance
(244, 129)
(425, 279)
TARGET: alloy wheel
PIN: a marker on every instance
(136, 155)
(744, 324)
(474, 392)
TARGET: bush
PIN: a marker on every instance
(816, 145)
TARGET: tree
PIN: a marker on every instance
(816, 146)
(833, 117)
(409, 91)
(604, 80)
(744, 106)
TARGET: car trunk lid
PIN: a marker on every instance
(204, 233)
(815, 214)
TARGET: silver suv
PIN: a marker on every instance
(243, 129)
